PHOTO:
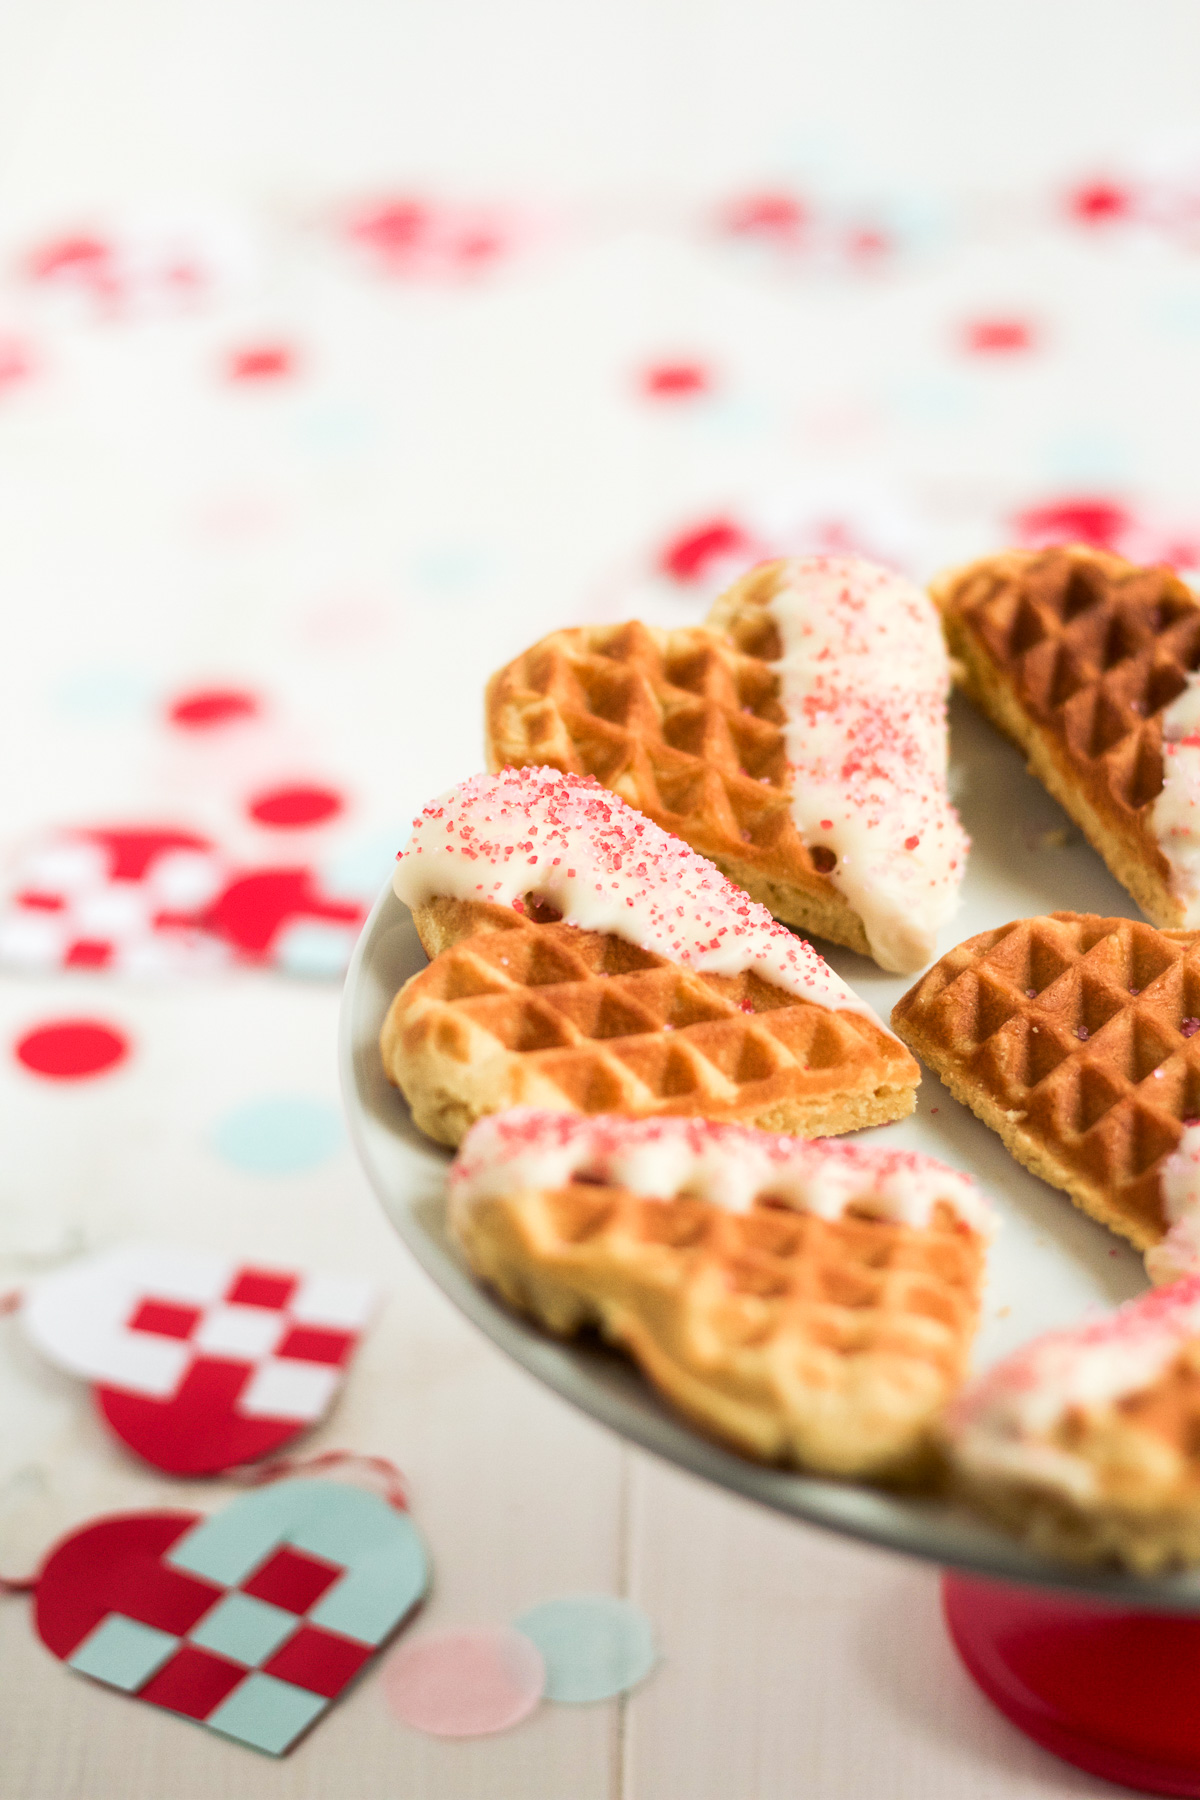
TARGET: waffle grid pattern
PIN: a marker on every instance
(685, 725)
(610, 1027)
(1085, 1033)
(1095, 648)
(847, 1333)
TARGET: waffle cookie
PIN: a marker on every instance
(807, 1303)
(1078, 1040)
(1087, 1442)
(797, 740)
(1086, 662)
(586, 962)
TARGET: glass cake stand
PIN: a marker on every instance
(1099, 1666)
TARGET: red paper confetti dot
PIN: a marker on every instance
(261, 362)
(1099, 203)
(206, 707)
(690, 557)
(1101, 523)
(73, 256)
(675, 380)
(288, 807)
(780, 217)
(998, 336)
(71, 1049)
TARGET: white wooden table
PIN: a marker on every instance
(474, 478)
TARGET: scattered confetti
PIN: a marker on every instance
(594, 1645)
(465, 1683)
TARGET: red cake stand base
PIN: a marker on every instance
(1114, 1691)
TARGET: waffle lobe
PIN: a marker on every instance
(1077, 1038)
(830, 1344)
(1075, 654)
(525, 1010)
(688, 727)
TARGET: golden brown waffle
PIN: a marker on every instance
(832, 1344)
(1093, 1475)
(1074, 654)
(516, 1012)
(687, 726)
(1072, 1036)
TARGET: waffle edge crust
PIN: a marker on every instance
(832, 1345)
(517, 1011)
(1065, 1034)
(1074, 654)
(688, 727)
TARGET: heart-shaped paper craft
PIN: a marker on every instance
(251, 1620)
(155, 900)
(199, 1363)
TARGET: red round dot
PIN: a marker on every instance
(998, 336)
(261, 362)
(71, 1049)
(293, 806)
(206, 707)
(910, 843)
(675, 380)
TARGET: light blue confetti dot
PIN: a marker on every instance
(1086, 455)
(103, 693)
(315, 949)
(280, 1136)
(593, 1645)
(362, 868)
(1177, 312)
(451, 568)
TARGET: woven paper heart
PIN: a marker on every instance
(199, 1363)
(250, 1621)
(157, 900)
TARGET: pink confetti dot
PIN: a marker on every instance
(261, 362)
(206, 707)
(71, 1049)
(290, 807)
(1100, 202)
(675, 380)
(998, 336)
(465, 1683)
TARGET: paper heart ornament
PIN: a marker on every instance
(164, 900)
(251, 1620)
(199, 1363)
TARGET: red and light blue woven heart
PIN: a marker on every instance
(250, 1621)
(199, 1363)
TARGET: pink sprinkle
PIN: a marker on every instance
(910, 843)
(1189, 1028)
(826, 824)
(1082, 1033)
(1031, 993)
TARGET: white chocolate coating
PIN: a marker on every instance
(864, 680)
(1174, 817)
(1001, 1424)
(1179, 1184)
(529, 1149)
(604, 867)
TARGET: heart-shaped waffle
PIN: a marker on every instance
(1077, 1039)
(1086, 661)
(585, 961)
(1087, 1441)
(797, 740)
(808, 1303)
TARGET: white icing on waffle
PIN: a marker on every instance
(864, 680)
(1179, 1184)
(1174, 818)
(732, 1166)
(1001, 1424)
(570, 843)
